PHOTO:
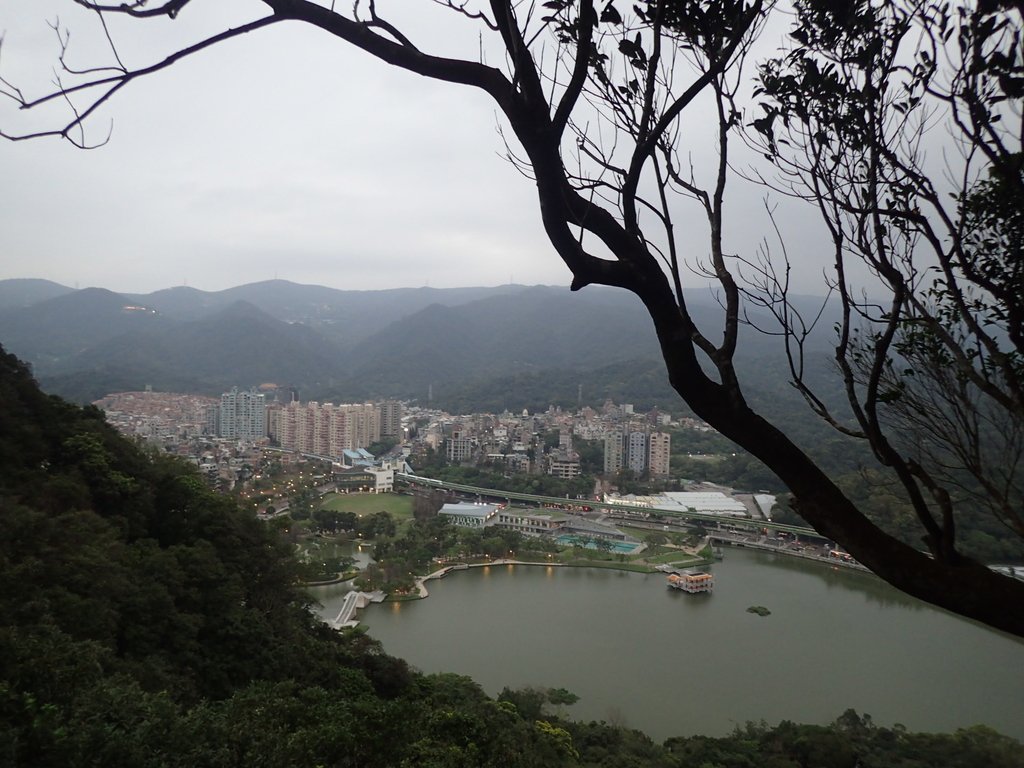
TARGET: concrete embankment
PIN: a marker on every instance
(783, 549)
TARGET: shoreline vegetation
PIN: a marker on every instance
(421, 592)
(409, 542)
(682, 557)
(409, 546)
(645, 560)
(695, 561)
(446, 570)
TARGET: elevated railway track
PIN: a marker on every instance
(623, 512)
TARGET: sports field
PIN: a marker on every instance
(398, 505)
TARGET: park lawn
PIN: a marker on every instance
(400, 507)
(654, 551)
(677, 557)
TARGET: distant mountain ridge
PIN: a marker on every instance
(346, 317)
(537, 328)
(54, 329)
(24, 292)
(343, 345)
(238, 344)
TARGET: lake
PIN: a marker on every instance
(669, 663)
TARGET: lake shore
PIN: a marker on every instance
(838, 639)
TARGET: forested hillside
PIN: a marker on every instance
(147, 621)
(474, 348)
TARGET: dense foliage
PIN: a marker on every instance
(149, 622)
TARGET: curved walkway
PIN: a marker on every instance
(353, 600)
(693, 551)
(442, 572)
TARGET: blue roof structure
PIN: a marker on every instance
(357, 457)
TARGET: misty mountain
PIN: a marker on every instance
(512, 345)
(533, 329)
(483, 357)
(20, 293)
(50, 331)
(642, 382)
(346, 317)
(239, 345)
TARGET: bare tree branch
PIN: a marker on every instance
(110, 85)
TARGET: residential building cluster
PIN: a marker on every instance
(638, 449)
(241, 416)
(223, 435)
(321, 429)
(163, 418)
(540, 443)
(230, 438)
(324, 429)
(517, 443)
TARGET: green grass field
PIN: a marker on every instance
(399, 506)
(678, 557)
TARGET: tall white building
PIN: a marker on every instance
(242, 415)
(636, 452)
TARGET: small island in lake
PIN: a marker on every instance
(760, 610)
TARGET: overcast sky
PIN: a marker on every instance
(282, 154)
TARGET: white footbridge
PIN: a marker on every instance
(354, 601)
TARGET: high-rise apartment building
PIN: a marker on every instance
(659, 453)
(321, 438)
(273, 421)
(614, 456)
(242, 415)
(636, 452)
(391, 419)
(211, 420)
(364, 424)
(326, 429)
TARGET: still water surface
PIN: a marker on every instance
(668, 663)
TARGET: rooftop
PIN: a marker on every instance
(482, 511)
